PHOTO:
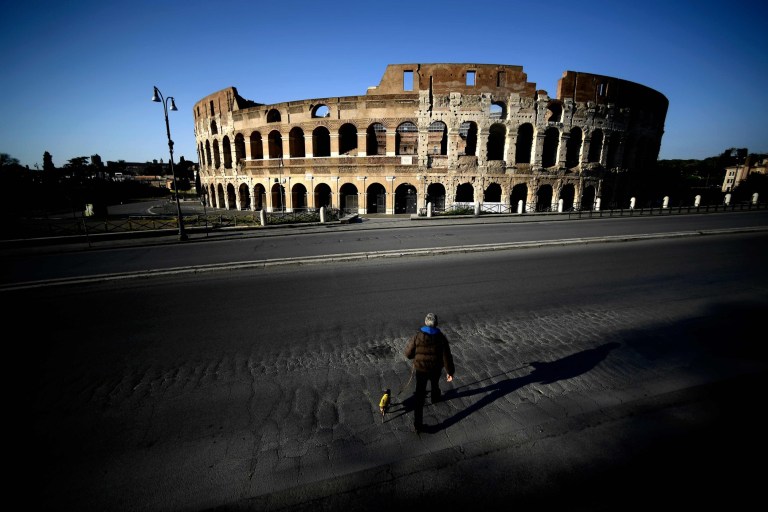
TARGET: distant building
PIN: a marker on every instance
(445, 134)
(735, 174)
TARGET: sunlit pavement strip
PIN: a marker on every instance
(358, 256)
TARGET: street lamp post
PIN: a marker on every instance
(158, 97)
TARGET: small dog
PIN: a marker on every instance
(384, 404)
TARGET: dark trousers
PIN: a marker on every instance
(421, 393)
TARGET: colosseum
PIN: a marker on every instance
(437, 135)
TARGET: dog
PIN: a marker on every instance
(384, 404)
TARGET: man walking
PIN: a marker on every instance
(431, 353)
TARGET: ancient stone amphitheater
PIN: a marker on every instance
(443, 135)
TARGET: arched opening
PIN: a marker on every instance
(551, 144)
(239, 147)
(227, 152)
(278, 197)
(259, 197)
(231, 199)
(245, 196)
(405, 198)
(519, 193)
(257, 148)
(498, 110)
(524, 144)
(436, 196)
(275, 143)
(321, 111)
(544, 198)
(595, 146)
(555, 109)
(273, 116)
(348, 198)
(376, 140)
(377, 198)
(296, 142)
(496, 135)
(567, 196)
(406, 139)
(468, 134)
(588, 198)
(492, 193)
(220, 197)
(437, 143)
(214, 129)
(299, 197)
(348, 139)
(465, 193)
(216, 155)
(212, 196)
(573, 149)
(322, 196)
(208, 153)
(321, 142)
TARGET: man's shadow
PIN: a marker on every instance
(543, 372)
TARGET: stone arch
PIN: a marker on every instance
(321, 110)
(214, 128)
(465, 193)
(555, 111)
(221, 202)
(524, 144)
(405, 198)
(519, 193)
(588, 198)
(551, 145)
(259, 197)
(348, 198)
(216, 155)
(273, 116)
(497, 135)
(239, 147)
(437, 143)
(227, 147)
(321, 142)
(231, 197)
(492, 193)
(212, 195)
(208, 152)
(573, 148)
(257, 146)
(278, 196)
(348, 139)
(406, 139)
(498, 110)
(296, 142)
(275, 143)
(376, 140)
(436, 196)
(299, 197)
(568, 196)
(323, 195)
(595, 146)
(245, 196)
(544, 196)
(468, 135)
(376, 198)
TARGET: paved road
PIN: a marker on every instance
(594, 377)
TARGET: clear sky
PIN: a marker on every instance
(77, 76)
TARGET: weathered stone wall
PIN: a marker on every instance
(443, 133)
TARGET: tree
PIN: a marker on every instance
(8, 162)
(48, 162)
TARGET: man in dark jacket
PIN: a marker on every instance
(430, 353)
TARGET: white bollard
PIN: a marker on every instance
(520, 206)
(632, 203)
(597, 204)
(263, 217)
(727, 199)
(477, 209)
(322, 215)
(666, 202)
(754, 198)
(560, 206)
(429, 209)
(697, 201)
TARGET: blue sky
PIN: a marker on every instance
(78, 76)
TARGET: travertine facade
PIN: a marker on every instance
(437, 133)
